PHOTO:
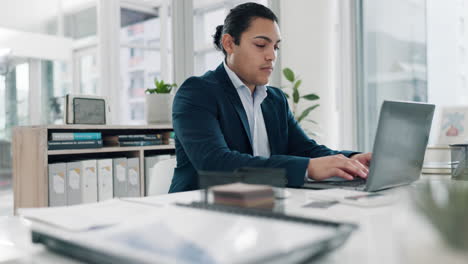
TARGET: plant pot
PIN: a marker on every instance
(159, 108)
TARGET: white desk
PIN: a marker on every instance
(388, 234)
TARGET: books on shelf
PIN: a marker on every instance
(56, 136)
(74, 144)
(139, 137)
(140, 143)
(134, 140)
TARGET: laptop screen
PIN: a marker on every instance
(400, 144)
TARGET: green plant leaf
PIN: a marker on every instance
(160, 87)
(288, 74)
(287, 95)
(311, 97)
(295, 96)
(297, 84)
(306, 112)
(312, 121)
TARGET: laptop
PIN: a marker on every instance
(399, 148)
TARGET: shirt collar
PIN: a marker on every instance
(236, 81)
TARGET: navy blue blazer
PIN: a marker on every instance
(212, 132)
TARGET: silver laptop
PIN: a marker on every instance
(399, 147)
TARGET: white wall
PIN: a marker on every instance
(36, 46)
(443, 58)
(308, 47)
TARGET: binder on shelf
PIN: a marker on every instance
(133, 176)
(57, 184)
(105, 178)
(120, 177)
(89, 181)
(74, 144)
(73, 181)
(150, 162)
(140, 143)
(75, 136)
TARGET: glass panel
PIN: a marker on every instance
(5, 145)
(447, 58)
(2, 107)
(394, 59)
(82, 23)
(88, 73)
(207, 15)
(57, 82)
(22, 93)
(138, 73)
(145, 54)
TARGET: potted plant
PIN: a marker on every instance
(159, 103)
(295, 83)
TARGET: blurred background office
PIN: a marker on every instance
(352, 53)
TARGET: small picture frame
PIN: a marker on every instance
(86, 109)
(454, 125)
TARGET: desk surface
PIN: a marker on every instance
(387, 234)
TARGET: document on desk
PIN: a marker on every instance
(173, 234)
(86, 216)
(351, 197)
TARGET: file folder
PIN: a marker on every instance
(89, 182)
(133, 177)
(105, 178)
(74, 194)
(120, 177)
(57, 184)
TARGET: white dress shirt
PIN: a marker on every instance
(252, 106)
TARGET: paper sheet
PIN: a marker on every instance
(87, 216)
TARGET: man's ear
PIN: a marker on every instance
(228, 43)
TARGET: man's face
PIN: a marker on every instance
(254, 58)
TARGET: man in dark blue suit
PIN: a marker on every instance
(228, 118)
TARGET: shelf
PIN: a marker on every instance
(31, 157)
(108, 149)
(105, 127)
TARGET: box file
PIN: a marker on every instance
(120, 177)
(57, 184)
(89, 182)
(73, 181)
(133, 177)
(105, 179)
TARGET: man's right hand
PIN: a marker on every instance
(336, 165)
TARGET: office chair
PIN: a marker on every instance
(160, 177)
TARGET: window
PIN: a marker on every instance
(207, 15)
(87, 71)
(145, 54)
(393, 55)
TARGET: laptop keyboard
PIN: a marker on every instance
(350, 183)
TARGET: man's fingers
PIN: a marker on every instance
(350, 168)
(354, 167)
(342, 174)
(361, 166)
